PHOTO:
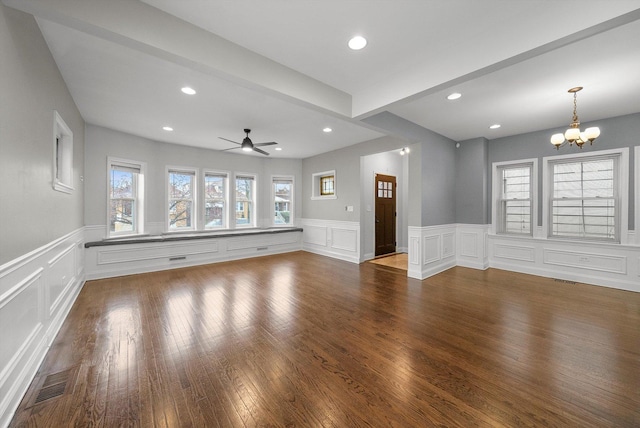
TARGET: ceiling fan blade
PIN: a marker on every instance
(255, 149)
(265, 144)
(232, 148)
(231, 141)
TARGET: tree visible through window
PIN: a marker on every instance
(181, 200)
(126, 190)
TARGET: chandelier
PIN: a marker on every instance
(573, 134)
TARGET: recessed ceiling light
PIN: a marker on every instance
(327, 129)
(454, 96)
(189, 91)
(357, 43)
(167, 128)
(495, 126)
(278, 148)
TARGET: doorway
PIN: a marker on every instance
(385, 214)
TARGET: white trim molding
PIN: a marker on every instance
(37, 291)
(337, 239)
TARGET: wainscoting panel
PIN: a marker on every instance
(472, 246)
(514, 252)
(37, 291)
(582, 260)
(435, 248)
(337, 239)
(609, 265)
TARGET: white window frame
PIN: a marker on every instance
(139, 200)
(496, 191)
(316, 193)
(291, 203)
(62, 177)
(254, 202)
(636, 169)
(194, 198)
(622, 211)
(227, 209)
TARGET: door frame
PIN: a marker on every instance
(375, 191)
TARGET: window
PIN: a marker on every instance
(282, 196)
(182, 193)
(215, 200)
(245, 201)
(62, 155)
(126, 191)
(584, 196)
(514, 197)
(323, 185)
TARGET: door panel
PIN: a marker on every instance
(385, 215)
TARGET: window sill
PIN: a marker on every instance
(140, 239)
(319, 198)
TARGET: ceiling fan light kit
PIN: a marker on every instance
(247, 145)
(573, 134)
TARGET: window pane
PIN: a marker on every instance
(282, 190)
(244, 201)
(214, 214)
(515, 204)
(326, 185)
(122, 215)
(180, 214)
(584, 199)
(180, 185)
(517, 215)
(122, 183)
(214, 186)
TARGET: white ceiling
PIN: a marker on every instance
(282, 68)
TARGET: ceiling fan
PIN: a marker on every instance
(247, 145)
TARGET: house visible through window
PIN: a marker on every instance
(283, 200)
(126, 190)
(215, 200)
(181, 200)
(245, 201)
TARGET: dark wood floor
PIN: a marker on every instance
(305, 340)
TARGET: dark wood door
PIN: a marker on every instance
(385, 214)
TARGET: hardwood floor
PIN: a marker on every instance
(396, 261)
(305, 340)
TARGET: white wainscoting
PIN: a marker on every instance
(126, 259)
(36, 292)
(472, 246)
(337, 239)
(609, 265)
(432, 249)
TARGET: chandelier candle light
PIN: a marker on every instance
(573, 134)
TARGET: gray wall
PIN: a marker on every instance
(346, 163)
(103, 142)
(616, 133)
(471, 181)
(31, 88)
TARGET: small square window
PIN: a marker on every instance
(324, 185)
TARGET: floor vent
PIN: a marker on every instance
(54, 385)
